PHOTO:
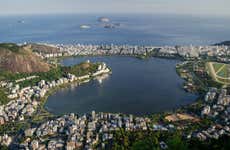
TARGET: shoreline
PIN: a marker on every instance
(175, 109)
(66, 85)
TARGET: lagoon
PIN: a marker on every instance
(139, 87)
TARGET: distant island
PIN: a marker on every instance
(85, 26)
(103, 19)
(106, 22)
(21, 21)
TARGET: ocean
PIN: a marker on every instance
(142, 29)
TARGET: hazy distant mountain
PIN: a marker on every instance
(226, 43)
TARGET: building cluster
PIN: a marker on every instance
(5, 140)
(217, 105)
(73, 132)
(102, 69)
(45, 50)
(217, 108)
(213, 132)
(80, 49)
(50, 55)
(25, 101)
(222, 53)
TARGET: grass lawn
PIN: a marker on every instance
(220, 72)
(224, 72)
(217, 66)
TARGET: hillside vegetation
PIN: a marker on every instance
(20, 59)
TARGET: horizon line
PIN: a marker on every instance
(114, 13)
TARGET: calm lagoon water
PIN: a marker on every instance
(135, 86)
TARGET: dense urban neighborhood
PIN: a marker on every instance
(221, 53)
(34, 128)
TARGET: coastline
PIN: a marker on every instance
(59, 59)
(66, 85)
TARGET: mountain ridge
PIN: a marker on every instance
(20, 59)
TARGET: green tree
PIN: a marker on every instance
(176, 143)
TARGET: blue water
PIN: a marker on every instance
(134, 29)
(139, 87)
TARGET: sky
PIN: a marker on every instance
(192, 7)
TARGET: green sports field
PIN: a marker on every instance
(220, 72)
